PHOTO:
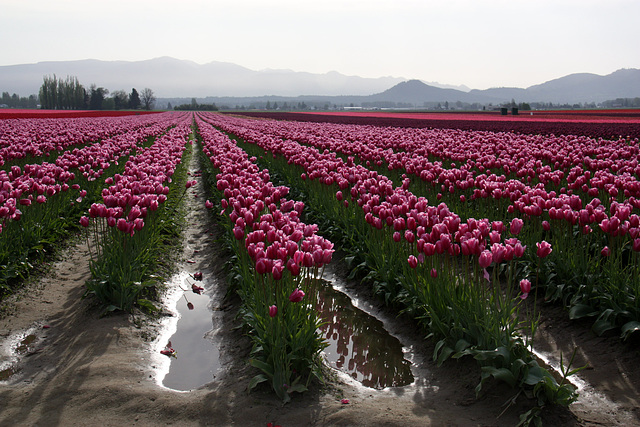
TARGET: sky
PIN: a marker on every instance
(478, 43)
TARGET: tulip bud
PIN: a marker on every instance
(525, 288)
(273, 311)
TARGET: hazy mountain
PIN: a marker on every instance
(574, 88)
(232, 84)
(462, 88)
(584, 87)
(571, 89)
(169, 77)
(418, 93)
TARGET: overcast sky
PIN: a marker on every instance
(479, 43)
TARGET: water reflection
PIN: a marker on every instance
(197, 357)
(358, 343)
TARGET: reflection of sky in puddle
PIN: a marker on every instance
(197, 356)
(13, 348)
(358, 343)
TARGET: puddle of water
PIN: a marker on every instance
(197, 357)
(359, 345)
(25, 344)
(14, 349)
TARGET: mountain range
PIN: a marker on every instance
(221, 82)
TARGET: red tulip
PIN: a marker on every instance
(413, 261)
(273, 311)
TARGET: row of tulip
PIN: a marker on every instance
(25, 140)
(605, 128)
(279, 262)
(422, 256)
(581, 194)
(36, 181)
(125, 230)
(41, 202)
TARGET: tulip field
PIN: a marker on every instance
(470, 232)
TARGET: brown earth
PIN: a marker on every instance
(71, 367)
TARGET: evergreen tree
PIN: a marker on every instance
(134, 99)
(97, 97)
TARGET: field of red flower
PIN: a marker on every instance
(582, 116)
(42, 114)
(471, 234)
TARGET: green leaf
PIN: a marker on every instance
(602, 326)
(437, 348)
(444, 355)
(535, 375)
(502, 374)
(300, 388)
(349, 261)
(264, 367)
(260, 378)
(629, 328)
(581, 310)
(146, 304)
(461, 345)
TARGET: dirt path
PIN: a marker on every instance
(85, 370)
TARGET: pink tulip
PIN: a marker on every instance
(525, 288)
(238, 233)
(516, 226)
(276, 270)
(296, 295)
(544, 249)
(413, 261)
(485, 259)
(261, 266)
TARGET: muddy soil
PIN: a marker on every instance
(64, 365)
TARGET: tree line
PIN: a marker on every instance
(15, 101)
(195, 106)
(68, 94)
